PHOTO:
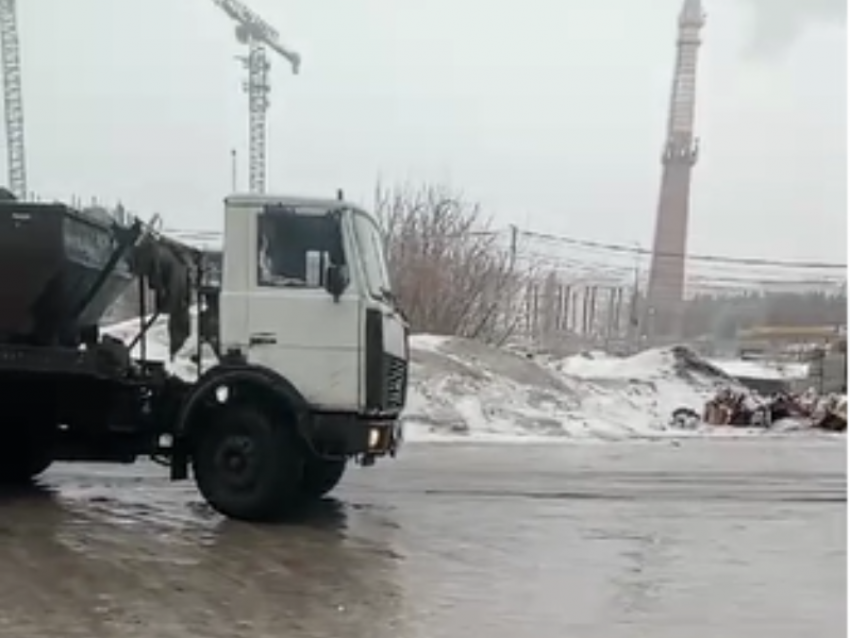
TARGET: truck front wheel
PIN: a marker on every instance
(321, 476)
(247, 467)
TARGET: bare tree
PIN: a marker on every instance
(452, 273)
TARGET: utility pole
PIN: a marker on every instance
(635, 326)
(513, 249)
(592, 315)
(618, 314)
(610, 316)
(585, 311)
(574, 312)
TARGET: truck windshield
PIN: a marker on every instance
(371, 245)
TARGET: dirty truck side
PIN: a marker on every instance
(301, 353)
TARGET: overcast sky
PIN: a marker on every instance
(549, 112)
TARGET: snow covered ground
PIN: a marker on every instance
(461, 389)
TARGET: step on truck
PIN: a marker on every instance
(300, 351)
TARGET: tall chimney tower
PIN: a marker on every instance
(667, 270)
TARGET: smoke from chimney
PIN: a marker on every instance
(778, 23)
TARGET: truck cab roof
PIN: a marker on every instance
(256, 199)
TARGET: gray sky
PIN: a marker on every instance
(549, 112)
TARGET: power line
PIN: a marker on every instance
(637, 250)
(717, 260)
(712, 272)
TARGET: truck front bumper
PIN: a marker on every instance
(356, 435)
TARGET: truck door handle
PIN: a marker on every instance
(262, 339)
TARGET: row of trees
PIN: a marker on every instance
(450, 272)
(454, 275)
(724, 315)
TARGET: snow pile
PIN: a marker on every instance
(459, 387)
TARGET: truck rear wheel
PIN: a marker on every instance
(22, 468)
(24, 459)
(321, 476)
(247, 467)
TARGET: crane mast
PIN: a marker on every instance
(13, 98)
(258, 89)
(257, 34)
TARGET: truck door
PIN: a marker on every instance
(296, 327)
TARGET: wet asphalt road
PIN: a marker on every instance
(714, 539)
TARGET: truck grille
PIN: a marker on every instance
(395, 383)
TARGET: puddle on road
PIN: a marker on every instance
(138, 559)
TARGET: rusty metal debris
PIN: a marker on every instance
(738, 408)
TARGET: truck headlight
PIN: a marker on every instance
(374, 438)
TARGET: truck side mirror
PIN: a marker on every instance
(336, 280)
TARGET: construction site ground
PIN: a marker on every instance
(665, 539)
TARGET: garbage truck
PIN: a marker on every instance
(300, 351)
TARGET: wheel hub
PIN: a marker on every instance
(236, 461)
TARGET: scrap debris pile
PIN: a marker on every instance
(739, 408)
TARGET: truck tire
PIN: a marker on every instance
(28, 446)
(247, 467)
(24, 461)
(321, 476)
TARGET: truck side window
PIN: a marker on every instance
(293, 249)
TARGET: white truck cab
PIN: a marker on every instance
(312, 356)
(306, 293)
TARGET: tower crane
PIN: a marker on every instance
(257, 34)
(13, 98)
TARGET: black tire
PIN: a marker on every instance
(21, 466)
(320, 477)
(28, 445)
(247, 467)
